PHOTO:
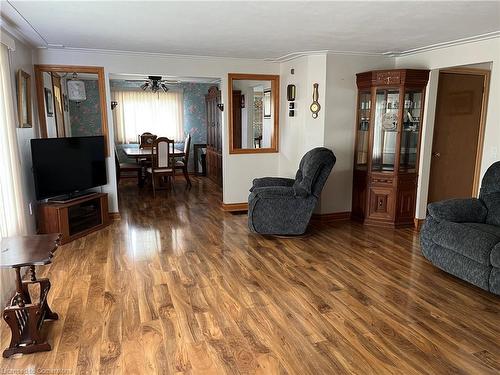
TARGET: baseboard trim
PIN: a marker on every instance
(334, 216)
(114, 216)
(235, 207)
(418, 224)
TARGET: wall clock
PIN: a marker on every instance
(315, 107)
(76, 91)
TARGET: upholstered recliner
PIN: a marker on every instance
(462, 236)
(283, 206)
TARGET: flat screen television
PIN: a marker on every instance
(67, 166)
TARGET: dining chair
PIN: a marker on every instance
(122, 169)
(146, 140)
(161, 166)
(183, 163)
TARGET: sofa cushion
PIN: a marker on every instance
(473, 240)
(491, 229)
(492, 202)
(495, 256)
(315, 162)
(459, 210)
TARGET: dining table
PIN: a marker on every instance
(145, 153)
(137, 153)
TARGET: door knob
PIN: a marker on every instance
(436, 154)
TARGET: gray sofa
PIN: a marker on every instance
(462, 236)
(283, 206)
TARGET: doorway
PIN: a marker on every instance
(458, 133)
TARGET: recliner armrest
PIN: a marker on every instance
(271, 181)
(274, 192)
(470, 210)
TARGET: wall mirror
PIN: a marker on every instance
(71, 101)
(253, 104)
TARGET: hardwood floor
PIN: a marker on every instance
(179, 286)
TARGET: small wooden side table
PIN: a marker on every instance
(25, 318)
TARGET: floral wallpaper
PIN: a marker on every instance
(195, 115)
(85, 117)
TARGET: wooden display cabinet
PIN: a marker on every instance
(388, 131)
(214, 135)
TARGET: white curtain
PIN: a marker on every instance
(12, 219)
(143, 111)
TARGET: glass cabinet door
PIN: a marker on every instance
(363, 129)
(385, 130)
(411, 130)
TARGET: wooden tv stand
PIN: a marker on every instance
(74, 218)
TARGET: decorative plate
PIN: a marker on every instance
(389, 121)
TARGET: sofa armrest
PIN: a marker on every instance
(274, 192)
(470, 210)
(271, 181)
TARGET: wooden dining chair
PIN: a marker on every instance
(183, 163)
(161, 166)
(126, 170)
(146, 140)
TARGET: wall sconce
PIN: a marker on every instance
(114, 104)
(220, 106)
(242, 104)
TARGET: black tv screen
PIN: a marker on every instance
(67, 165)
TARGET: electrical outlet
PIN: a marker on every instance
(30, 206)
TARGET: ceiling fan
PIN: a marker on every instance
(155, 83)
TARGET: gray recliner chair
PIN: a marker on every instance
(462, 236)
(283, 206)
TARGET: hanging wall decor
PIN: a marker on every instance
(315, 107)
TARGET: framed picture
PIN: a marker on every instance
(24, 99)
(49, 102)
(267, 103)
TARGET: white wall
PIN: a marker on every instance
(341, 99)
(486, 51)
(300, 133)
(238, 170)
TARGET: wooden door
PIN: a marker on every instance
(58, 105)
(457, 141)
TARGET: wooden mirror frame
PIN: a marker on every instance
(275, 95)
(22, 75)
(40, 69)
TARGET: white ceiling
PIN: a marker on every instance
(257, 29)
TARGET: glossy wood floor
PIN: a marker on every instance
(179, 286)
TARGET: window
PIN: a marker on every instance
(138, 112)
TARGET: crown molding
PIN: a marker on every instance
(15, 24)
(139, 53)
(456, 42)
(296, 55)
